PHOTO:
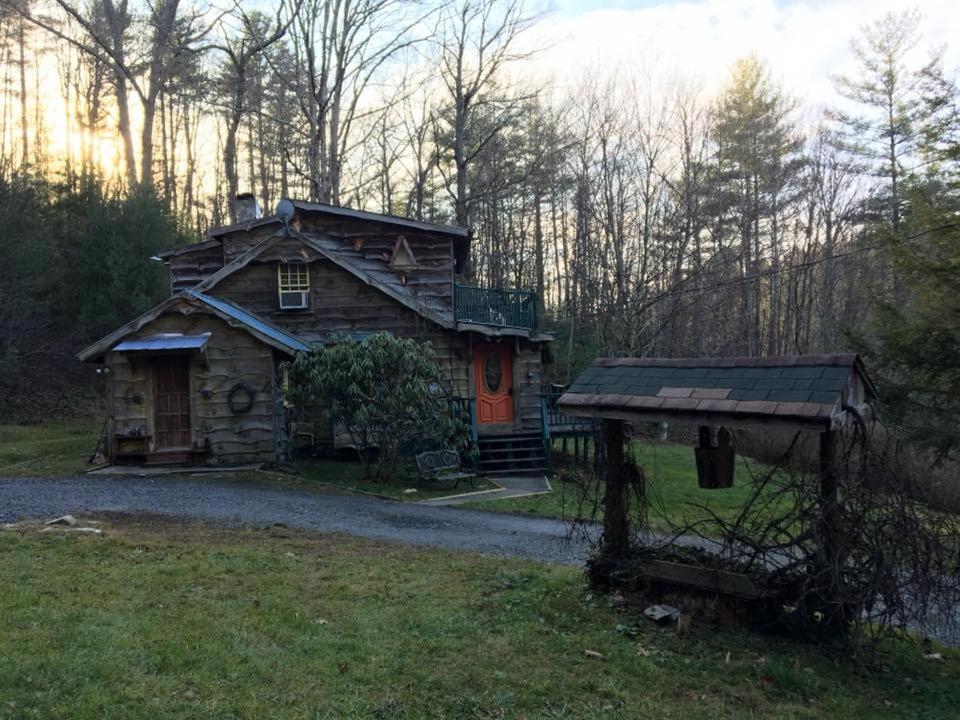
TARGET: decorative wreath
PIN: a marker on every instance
(240, 399)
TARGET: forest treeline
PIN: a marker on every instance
(654, 217)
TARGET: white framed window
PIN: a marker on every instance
(293, 284)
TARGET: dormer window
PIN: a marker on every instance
(294, 286)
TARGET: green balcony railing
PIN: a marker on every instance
(495, 306)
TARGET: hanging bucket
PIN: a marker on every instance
(715, 465)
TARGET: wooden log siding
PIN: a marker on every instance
(237, 243)
(338, 302)
(433, 251)
(232, 356)
(191, 267)
(433, 275)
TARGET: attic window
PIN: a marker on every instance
(294, 286)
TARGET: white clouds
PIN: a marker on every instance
(805, 42)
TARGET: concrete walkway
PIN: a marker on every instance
(510, 487)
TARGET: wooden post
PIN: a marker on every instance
(616, 526)
(829, 532)
(592, 435)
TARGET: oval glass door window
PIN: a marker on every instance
(492, 372)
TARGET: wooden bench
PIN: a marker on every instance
(439, 467)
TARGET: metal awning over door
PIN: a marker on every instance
(164, 342)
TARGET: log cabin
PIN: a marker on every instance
(199, 378)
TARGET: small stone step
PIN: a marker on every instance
(166, 457)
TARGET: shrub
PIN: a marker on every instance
(387, 392)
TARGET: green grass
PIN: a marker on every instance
(184, 621)
(53, 447)
(672, 487)
(61, 447)
(348, 475)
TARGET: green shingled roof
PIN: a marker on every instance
(790, 383)
(801, 386)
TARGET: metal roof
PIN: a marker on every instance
(376, 273)
(379, 217)
(251, 321)
(165, 255)
(165, 341)
(248, 225)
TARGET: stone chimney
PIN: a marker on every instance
(247, 208)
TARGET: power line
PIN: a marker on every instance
(676, 293)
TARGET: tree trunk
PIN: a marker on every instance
(539, 250)
(117, 21)
(24, 117)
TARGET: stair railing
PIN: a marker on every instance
(545, 429)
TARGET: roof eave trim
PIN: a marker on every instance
(306, 206)
(261, 247)
(243, 227)
(164, 255)
(291, 345)
(238, 263)
(694, 417)
(493, 330)
(97, 350)
(385, 289)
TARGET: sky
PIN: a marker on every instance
(804, 41)
(693, 41)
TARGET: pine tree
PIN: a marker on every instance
(915, 345)
(757, 178)
(882, 131)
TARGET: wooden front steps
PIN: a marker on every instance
(512, 454)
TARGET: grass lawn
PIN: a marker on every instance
(348, 475)
(61, 447)
(53, 447)
(184, 621)
(672, 487)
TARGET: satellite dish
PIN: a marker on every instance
(285, 210)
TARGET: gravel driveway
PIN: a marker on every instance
(503, 535)
(247, 503)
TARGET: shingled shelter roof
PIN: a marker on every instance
(809, 391)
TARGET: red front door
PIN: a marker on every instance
(172, 402)
(493, 368)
